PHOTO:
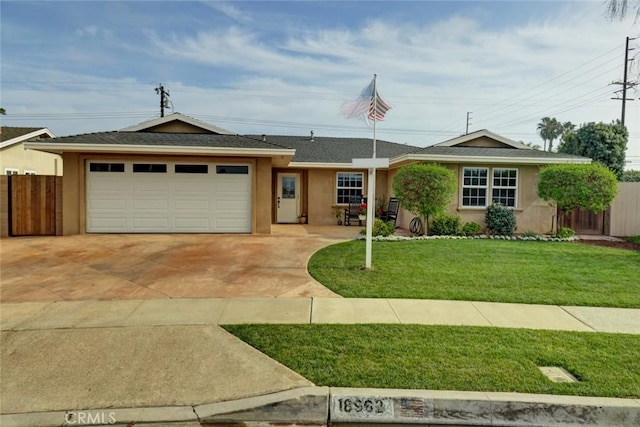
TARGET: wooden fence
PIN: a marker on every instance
(31, 205)
(625, 210)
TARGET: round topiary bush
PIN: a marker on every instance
(500, 220)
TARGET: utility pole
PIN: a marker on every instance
(466, 131)
(626, 84)
(163, 98)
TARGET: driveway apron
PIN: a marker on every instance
(141, 266)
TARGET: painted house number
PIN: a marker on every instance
(366, 407)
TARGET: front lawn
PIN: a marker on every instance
(559, 273)
(452, 358)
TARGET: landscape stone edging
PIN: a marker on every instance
(323, 405)
(394, 238)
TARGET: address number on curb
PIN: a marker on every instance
(361, 407)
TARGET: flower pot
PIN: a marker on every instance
(362, 217)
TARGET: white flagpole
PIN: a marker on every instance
(371, 190)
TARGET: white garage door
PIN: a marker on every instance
(168, 197)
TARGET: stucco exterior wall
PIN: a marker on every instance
(177, 126)
(74, 187)
(482, 142)
(17, 157)
(532, 213)
(262, 196)
(321, 188)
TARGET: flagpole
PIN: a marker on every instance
(371, 196)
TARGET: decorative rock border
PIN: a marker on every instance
(541, 238)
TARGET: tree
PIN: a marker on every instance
(617, 9)
(604, 143)
(567, 128)
(587, 187)
(631, 176)
(425, 189)
(3, 112)
(549, 129)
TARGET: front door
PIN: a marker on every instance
(288, 198)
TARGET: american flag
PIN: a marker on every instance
(369, 105)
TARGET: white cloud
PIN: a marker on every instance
(230, 10)
(433, 73)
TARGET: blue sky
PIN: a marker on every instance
(286, 67)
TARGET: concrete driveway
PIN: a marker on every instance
(139, 266)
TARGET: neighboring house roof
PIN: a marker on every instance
(10, 135)
(177, 117)
(479, 134)
(319, 151)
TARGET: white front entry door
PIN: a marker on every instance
(288, 198)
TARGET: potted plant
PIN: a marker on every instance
(302, 218)
(362, 211)
(337, 212)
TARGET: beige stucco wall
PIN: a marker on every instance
(321, 189)
(532, 213)
(262, 196)
(482, 142)
(177, 126)
(17, 157)
(74, 187)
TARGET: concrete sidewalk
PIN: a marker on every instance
(73, 355)
(220, 311)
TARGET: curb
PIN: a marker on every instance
(322, 406)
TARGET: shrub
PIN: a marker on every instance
(500, 220)
(381, 228)
(446, 225)
(565, 233)
(471, 229)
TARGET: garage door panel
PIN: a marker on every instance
(107, 224)
(150, 224)
(150, 204)
(107, 205)
(168, 202)
(192, 224)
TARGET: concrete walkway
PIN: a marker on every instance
(68, 355)
(220, 311)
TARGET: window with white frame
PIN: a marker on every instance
(28, 172)
(11, 171)
(474, 186)
(504, 186)
(348, 184)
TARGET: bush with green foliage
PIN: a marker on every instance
(500, 219)
(425, 190)
(602, 142)
(471, 229)
(381, 228)
(588, 187)
(565, 233)
(446, 225)
(631, 176)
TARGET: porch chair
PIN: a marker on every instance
(351, 212)
(391, 214)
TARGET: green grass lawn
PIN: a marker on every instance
(451, 358)
(562, 273)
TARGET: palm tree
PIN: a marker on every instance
(549, 129)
